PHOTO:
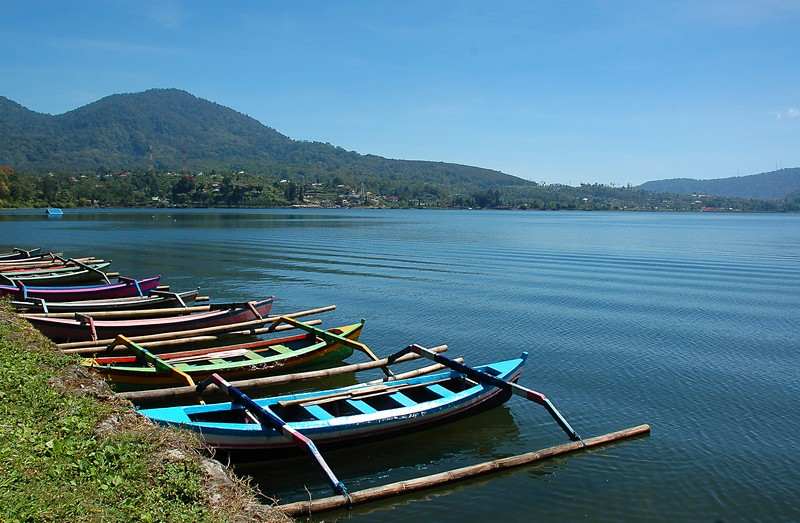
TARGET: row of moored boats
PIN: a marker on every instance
(176, 355)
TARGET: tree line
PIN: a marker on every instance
(229, 189)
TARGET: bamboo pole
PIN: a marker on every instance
(246, 325)
(203, 339)
(187, 341)
(330, 337)
(418, 372)
(175, 393)
(302, 508)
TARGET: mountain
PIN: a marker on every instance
(170, 129)
(774, 185)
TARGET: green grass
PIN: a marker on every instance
(57, 465)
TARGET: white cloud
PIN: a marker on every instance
(792, 113)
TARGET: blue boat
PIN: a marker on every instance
(54, 211)
(338, 416)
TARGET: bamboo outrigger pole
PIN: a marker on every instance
(301, 508)
(267, 418)
(331, 337)
(175, 393)
(211, 337)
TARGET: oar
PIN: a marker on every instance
(267, 418)
(487, 379)
(330, 337)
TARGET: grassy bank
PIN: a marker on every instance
(70, 451)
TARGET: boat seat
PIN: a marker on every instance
(441, 391)
(281, 349)
(250, 355)
(318, 412)
(361, 406)
(217, 361)
(402, 399)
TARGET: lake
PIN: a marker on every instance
(689, 322)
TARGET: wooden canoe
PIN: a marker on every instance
(112, 304)
(245, 360)
(60, 329)
(46, 261)
(57, 268)
(60, 276)
(344, 415)
(124, 288)
(20, 254)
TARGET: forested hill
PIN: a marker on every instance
(773, 185)
(169, 129)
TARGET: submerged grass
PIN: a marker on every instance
(70, 451)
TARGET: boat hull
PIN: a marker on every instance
(112, 304)
(17, 272)
(85, 292)
(58, 329)
(136, 378)
(59, 278)
(127, 381)
(338, 431)
(20, 255)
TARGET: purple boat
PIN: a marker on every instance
(125, 288)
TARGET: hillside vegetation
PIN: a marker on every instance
(774, 185)
(166, 147)
(169, 129)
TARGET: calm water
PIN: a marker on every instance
(688, 322)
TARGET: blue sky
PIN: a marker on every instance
(564, 92)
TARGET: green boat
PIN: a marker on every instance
(259, 358)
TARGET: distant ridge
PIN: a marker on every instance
(170, 129)
(774, 185)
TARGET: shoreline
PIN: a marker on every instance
(307, 208)
(95, 459)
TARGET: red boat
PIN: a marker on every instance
(125, 288)
(59, 329)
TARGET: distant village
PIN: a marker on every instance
(200, 187)
(240, 188)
